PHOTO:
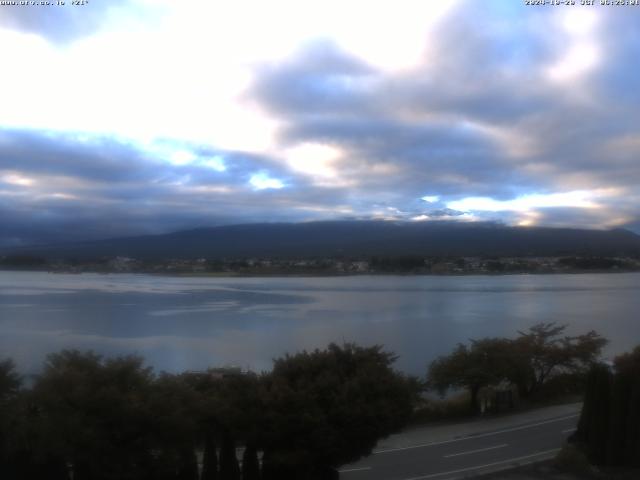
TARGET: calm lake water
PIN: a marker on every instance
(180, 323)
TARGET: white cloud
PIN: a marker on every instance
(577, 61)
(182, 157)
(262, 181)
(314, 159)
(17, 179)
(582, 54)
(215, 163)
(183, 76)
(525, 203)
(579, 21)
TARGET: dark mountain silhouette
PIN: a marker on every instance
(352, 239)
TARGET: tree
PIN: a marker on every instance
(542, 352)
(593, 426)
(483, 363)
(240, 412)
(10, 383)
(609, 426)
(624, 443)
(95, 413)
(329, 407)
(229, 468)
(229, 412)
(174, 432)
(528, 362)
(250, 464)
(210, 458)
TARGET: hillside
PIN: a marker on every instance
(351, 239)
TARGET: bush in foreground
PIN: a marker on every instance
(609, 427)
(96, 418)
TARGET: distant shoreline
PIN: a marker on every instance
(319, 274)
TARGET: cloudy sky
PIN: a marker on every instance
(126, 117)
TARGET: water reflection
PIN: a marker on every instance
(189, 323)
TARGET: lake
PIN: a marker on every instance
(189, 323)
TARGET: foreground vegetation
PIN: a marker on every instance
(115, 419)
(609, 427)
(536, 366)
(90, 417)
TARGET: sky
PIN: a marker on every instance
(127, 117)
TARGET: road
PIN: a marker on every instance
(465, 455)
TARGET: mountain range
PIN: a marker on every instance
(350, 239)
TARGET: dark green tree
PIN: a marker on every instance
(10, 383)
(329, 407)
(95, 411)
(624, 436)
(187, 464)
(229, 468)
(593, 426)
(544, 351)
(174, 406)
(609, 426)
(229, 413)
(483, 363)
(10, 380)
(250, 463)
(210, 458)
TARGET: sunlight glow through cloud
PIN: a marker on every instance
(17, 179)
(579, 21)
(182, 157)
(215, 163)
(262, 181)
(579, 60)
(313, 159)
(583, 53)
(578, 198)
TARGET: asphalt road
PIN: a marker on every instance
(463, 457)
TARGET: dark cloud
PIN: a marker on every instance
(443, 212)
(96, 158)
(71, 186)
(320, 78)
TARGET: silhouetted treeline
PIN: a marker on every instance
(405, 263)
(609, 427)
(100, 418)
(527, 365)
(22, 261)
(593, 263)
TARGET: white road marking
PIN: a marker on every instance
(569, 430)
(517, 459)
(476, 451)
(471, 437)
(354, 469)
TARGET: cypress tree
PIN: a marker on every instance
(250, 464)
(609, 426)
(618, 427)
(267, 470)
(593, 427)
(210, 459)
(188, 465)
(229, 468)
(628, 408)
(632, 449)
